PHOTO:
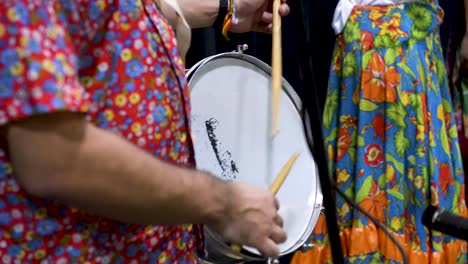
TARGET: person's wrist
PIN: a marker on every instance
(216, 202)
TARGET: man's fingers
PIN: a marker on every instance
(278, 235)
(284, 10)
(267, 18)
(268, 248)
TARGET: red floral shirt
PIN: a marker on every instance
(117, 61)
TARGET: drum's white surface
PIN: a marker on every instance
(236, 93)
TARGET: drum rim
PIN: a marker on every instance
(295, 99)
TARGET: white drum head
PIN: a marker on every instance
(230, 108)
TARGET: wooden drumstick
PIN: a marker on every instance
(277, 67)
(277, 183)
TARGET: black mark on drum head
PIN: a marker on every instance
(224, 157)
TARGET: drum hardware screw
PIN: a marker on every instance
(242, 48)
(306, 247)
(273, 261)
(322, 211)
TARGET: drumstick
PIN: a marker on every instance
(277, 67)
(277, 183)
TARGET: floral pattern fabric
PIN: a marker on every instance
(117, 61)
(391, 138)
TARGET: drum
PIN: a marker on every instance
(230, 107)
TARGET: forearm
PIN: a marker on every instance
(200, 13)
(105, 175)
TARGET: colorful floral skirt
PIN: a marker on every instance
(391, 138)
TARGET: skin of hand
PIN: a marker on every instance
(252, 219)
(256, 15)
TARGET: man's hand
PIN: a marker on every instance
(256, 15)
(251, 218)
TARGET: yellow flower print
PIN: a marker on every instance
(134, 98)
(21, 254)
(396, 224)
(11, 14)
(419, 182)
(405, 98)
(39, 254)
(101, 4)
(182, 137)
(41, 213)
(29, 235)
(393, 28)
(109, 115)
(163, 257)
(120, 100)
(348, 121)
(180, 245)
(357, 14)
(440, 112)
(68, 69)
(17, 69)
(125, 26)
(173, 154)
(136, 127)
(24, 40)
(8, 168)
(126, 55)
(344, 210)
(343, 176)
(420, 133)
(48, 65)
(2, 30)
(157, 136)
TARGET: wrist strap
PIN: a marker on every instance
(227, 23)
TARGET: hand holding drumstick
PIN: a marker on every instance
(277, 183)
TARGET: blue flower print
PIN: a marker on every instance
(5, 218)
(35, 244)
(12, 199)
(159, 114)
(94, 11)
(59, 250)
(50, 87)
(131, 251)
(14, 250)
(158, 68)
(103, 238)
(46, 227)
(129, 87)
(9, 57)
(86, 61)
(22, 12)
(134, 69)
(3, 172)
(127, 6)
(74, 252)
(135, 34)
(57, 103)
(34, 46)
(60, 42)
